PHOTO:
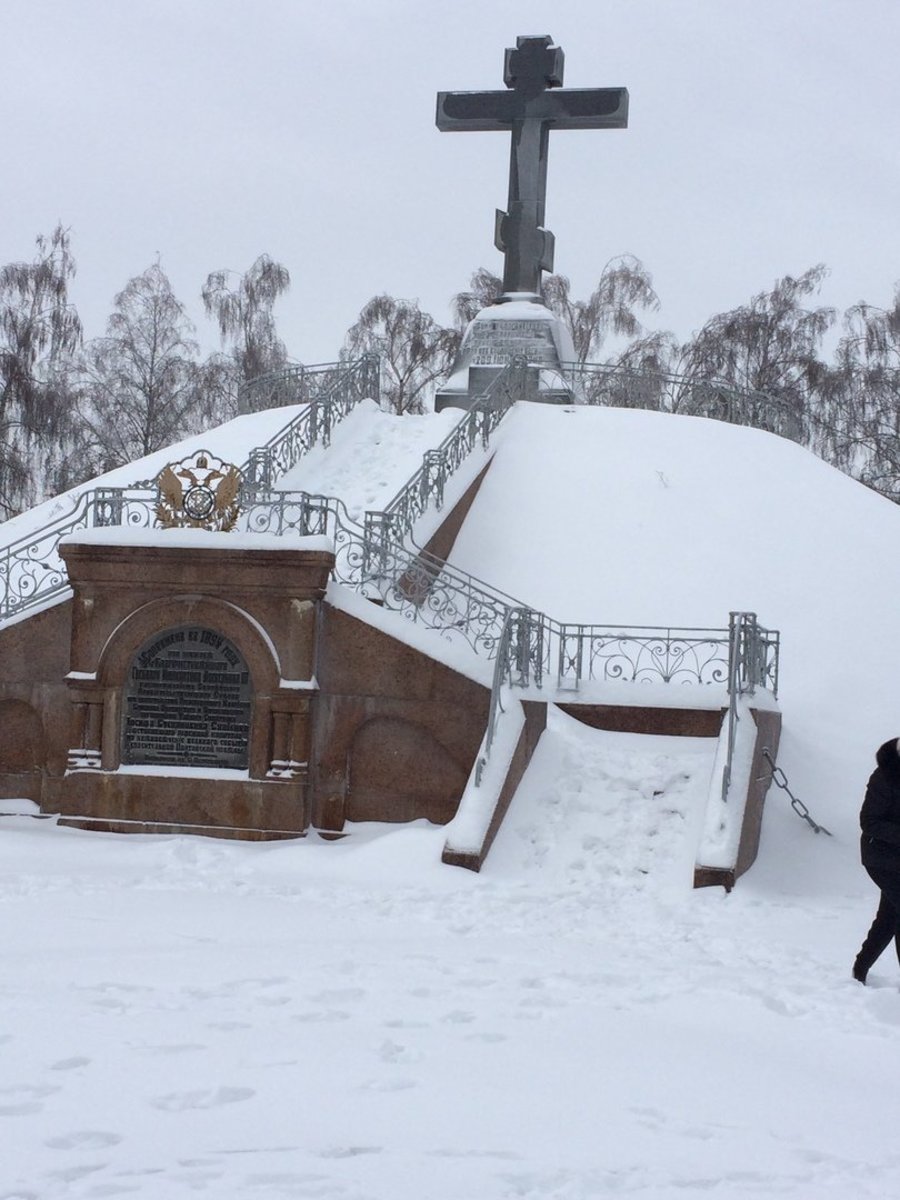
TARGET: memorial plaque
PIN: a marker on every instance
(187, 702)
(494, 343)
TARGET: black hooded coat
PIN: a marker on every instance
(880, 822)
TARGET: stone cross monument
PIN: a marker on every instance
(530, 108)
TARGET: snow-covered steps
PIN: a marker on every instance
(607, 811)
(371, 456)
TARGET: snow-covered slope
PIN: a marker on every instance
(611, 515)
(371, 456)
(231, 441)
(183, 1017)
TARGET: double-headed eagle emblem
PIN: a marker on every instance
(200, 492)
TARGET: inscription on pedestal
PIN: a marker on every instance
(491, 343)
(187, 702)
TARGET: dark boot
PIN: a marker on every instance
(885, 929)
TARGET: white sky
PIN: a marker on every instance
(761, 141)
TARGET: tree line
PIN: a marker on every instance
(71, 409)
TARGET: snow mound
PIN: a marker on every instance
(640, 518)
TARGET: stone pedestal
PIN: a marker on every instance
(192, 680)
(199, 683)
(518, 325)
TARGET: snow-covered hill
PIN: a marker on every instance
(183, 1017)
(612, 515)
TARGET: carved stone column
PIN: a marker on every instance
(86, 734)
(289, 738)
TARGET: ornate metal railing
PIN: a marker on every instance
(529, 647)
(535, 648)
(423, 588)
(568, 655)
(662, 391)
(31, 571)
(477, 424)
(743, 657)
(753, 654)
(298, 384)
(328, 392)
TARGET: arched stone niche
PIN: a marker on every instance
(399, 771)
(186, 701)
(21, 738)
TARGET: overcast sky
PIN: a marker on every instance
(763, 138)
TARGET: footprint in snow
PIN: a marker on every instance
(84, 1139)
(329, 1017)
(22, 1100)
(202, 1098)
(458, 1017)
(172, 1047)
(393, 1052)
(350, 1151)
(338, 995)
(73, 1174)
(388, 1085)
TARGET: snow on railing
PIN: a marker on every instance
(31, 571)
(664, 391)
(527, 646)
(477, 424)
(329, 393)
(299, 384)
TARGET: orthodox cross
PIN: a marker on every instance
(530, 110)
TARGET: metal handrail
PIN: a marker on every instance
(478, 423)
(31, 571)
(666, 391)
(753, 654)
(337, 389)
(376, 559)
(533, 646)
(297, 383)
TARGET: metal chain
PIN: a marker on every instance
(780, 780)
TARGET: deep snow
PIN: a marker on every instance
(185, 1016)
(613, 515)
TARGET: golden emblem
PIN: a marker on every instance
(200, 492)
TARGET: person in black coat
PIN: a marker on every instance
(880, 852)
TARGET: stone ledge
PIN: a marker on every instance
(124, 825)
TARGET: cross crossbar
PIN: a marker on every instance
(535, 102)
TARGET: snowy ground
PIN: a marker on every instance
(183, 1016)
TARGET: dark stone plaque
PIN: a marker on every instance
(494, 343)
(187, 702)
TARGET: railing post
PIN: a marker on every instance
(526, 646)
(570, 660)
(258, 475)
(378, 529)
(107, 507)
(746, 669)
(434, 475)
(326, 420)
(737, 653)
(371, 378)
